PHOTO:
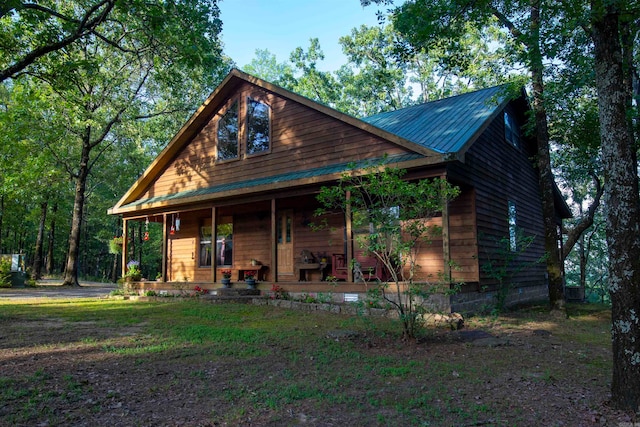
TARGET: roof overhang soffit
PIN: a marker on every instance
(263, 190)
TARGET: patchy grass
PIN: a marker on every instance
(97, 362)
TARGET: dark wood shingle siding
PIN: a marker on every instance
(500, 173)
(463, 238)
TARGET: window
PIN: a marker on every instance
(224, 242)
(258, 117)
(511, 131)
(204, 255)
(513, 237)
(228, 134)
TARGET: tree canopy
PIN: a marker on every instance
(97, 108)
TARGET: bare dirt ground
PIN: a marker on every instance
(52, 289)
(522, 371)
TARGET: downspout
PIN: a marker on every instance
(214, 245)
(165, 245)
(446, 236)
(349, 253)
(274, 241)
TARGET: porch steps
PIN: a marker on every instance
(232, 295)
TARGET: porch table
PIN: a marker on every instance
(303, 267)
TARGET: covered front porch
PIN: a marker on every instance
(277, 239)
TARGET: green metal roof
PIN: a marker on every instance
(285, 177)
(445, 125)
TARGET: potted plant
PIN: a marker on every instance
(133, 273)
(115, 245)
(250, 278)
(226, 278)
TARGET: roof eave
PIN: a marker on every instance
(261, 189)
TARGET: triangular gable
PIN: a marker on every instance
(204, 114)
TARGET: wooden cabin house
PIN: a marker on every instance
(236, 189)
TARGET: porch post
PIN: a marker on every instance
(274, 241)
(349, 254)
(125, 245)
(214, 244)
(446, 243)
(165, 245)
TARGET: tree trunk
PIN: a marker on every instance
(114, 268)
(622, 202)
(551, 238)
(1, 216)
(37, 257)
(52, 239)
(583, 263)
(71, 270)
(586, 220)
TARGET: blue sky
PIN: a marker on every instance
(282, 25)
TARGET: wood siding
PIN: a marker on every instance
(183, 249)
(301, 138)
(500, 173)
(462, 241)
(493, 173)
(463, 238)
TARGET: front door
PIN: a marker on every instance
(285, 242)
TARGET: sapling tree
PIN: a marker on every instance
(506, 261)
(398, 214)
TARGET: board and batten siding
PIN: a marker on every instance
(301, 138)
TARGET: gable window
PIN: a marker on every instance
(511, 130)
(258, 127)
(204, 256)
(228, 134)
(513, 237)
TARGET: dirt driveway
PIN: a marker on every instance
(53, 289)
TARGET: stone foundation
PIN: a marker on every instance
(473, 302)
(469, 302)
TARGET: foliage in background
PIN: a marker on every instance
(5, 268)
(397, 213)
(383, 71)
(96, 111)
